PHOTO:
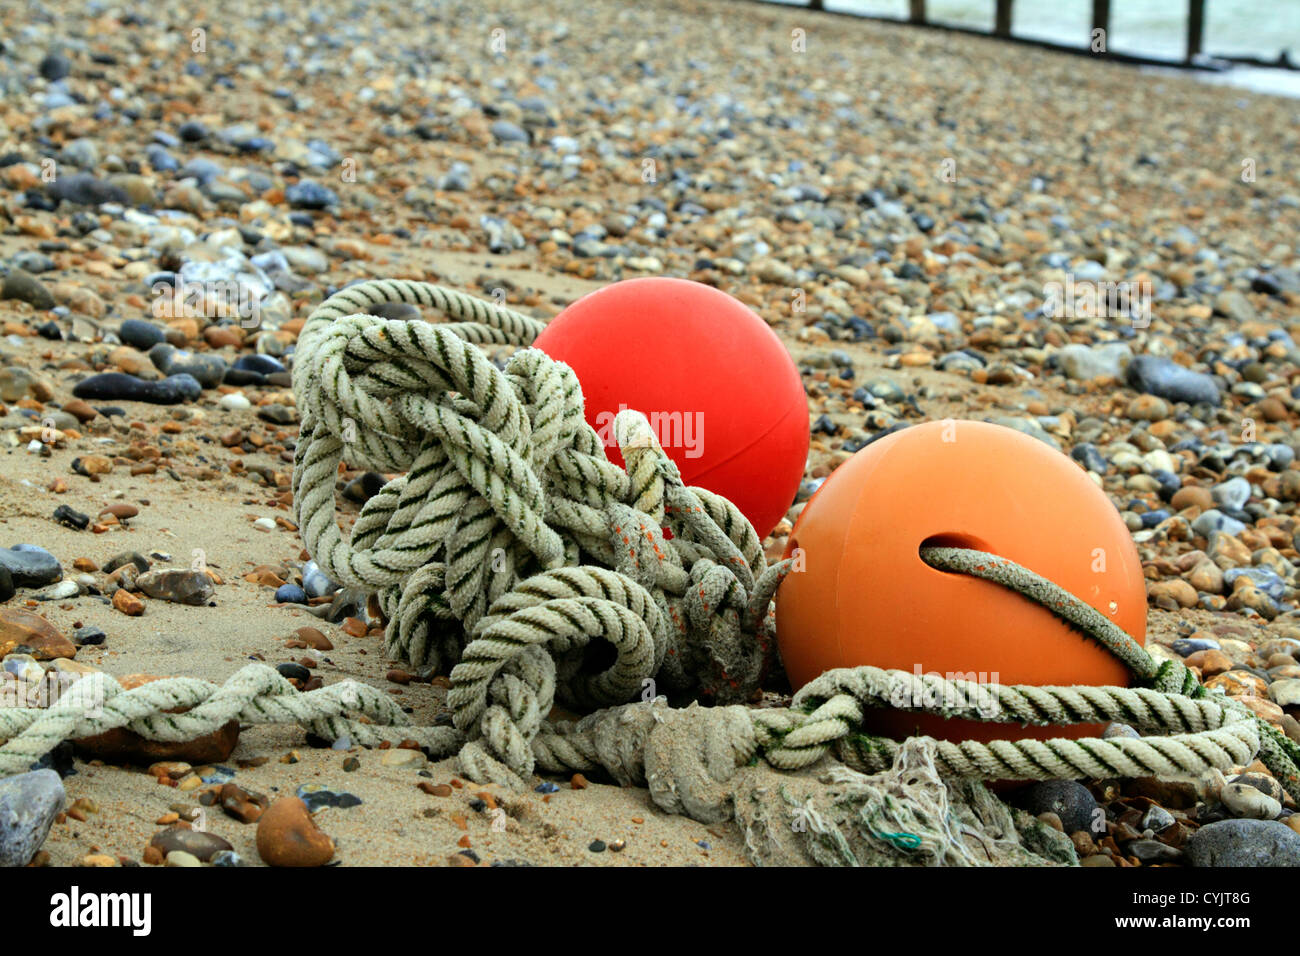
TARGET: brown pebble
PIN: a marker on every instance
(578, 782)
(127, 603)
(121, 511)
(288, 836)
(314, 638)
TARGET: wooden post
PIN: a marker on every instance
(1002, 19)
(1100, 19)
(917, 10)
(1195, 27)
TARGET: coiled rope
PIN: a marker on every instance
(512, 553)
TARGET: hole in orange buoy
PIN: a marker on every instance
(953, 539)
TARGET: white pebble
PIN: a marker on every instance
(1243, 800)
(264, 524)
(235, 401)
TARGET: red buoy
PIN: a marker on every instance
(722, 394)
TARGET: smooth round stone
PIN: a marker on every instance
(1192, 496)
(140, 334)
(235, 401)
(262, 364)
(83, 189)
(25, 287)
(1266, 579)
(54, 66)
(1243, 800)
(207, 370)
(316, 582)
(1215, 520)
(29, 802)
(1186, 646)
(1232, 494)
(192, 131)
(288, 836)
(118, 386)
(30, 566)
(199, 843)
(291, 670)
(1070, 801)
(1244, 843)
(290, 594)
(1090, 457)
(307, 194)
(1168, 484)
(181, 858)
(89, 635)
(507, 132)
(1157, 375)
(58, 592)
(1285, 692)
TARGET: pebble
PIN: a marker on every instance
(288, 836)
(1069, 800)
(29, 802)
(317, 796)
(290, 594)
(22, 629)
(200, 844)
(1244, 843)
(25, 287)
(308, 194)
(116, 386)
(1160, 376)
(179, 585)
(30, 566)
(1243, 800)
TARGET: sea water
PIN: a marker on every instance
(1261, 29)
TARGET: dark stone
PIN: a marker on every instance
(30, 566)
(307, 194)
(1244, 843)
(140, 334)
(25, 287)
(83, 189)
(71, 518)
(207, 370)
(29, 802)
(1070, 801)
(290, 594)
(198, 843)
(89, 635)
(1161, 376)
(192, 131)
(317, 795)
(292, 671)
(118, 386)
(55, 66)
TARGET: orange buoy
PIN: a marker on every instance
(864, 596)
(719, 389)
